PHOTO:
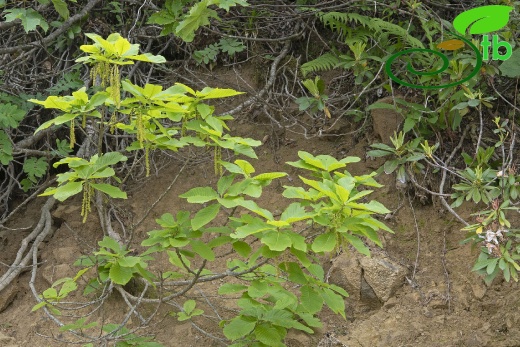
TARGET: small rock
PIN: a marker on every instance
(383, 274)
(479, 289)
(385, 121)
(346, 273)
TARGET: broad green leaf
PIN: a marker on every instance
(310, 320)
(238, 327)
(200, 195)
(268, 335)
(61, 7)
(231, 288)
(129, 261)
(339, 290)
(258, 288)
(35, 168)
(67, 190)
(199, 15)
(93, 172)
(217, 93)
(298, 241)
(246, 167)
(204, 216)
(253, 207)
(245, 150)
(68, 286)
(226, 4)
(302, 256)
(294, 272)
(279, 317)
(242, 248)
(202, 249)
(357, 243)
(334, 301)
(121, 46)
(107, 159)
(324, 243)
(311, 160)
(224, 183)
(162, 18)
(269, 176)
(482, 19)
(311, 301)
(110, 190)
(38, 306)
(377, 207)
(29, 17)
(78, 324)
(10, 115)
(276, 240)
(480, 264)
(409, 123)
(148, 57)
(105, 44)
(120, 275)
(294, 212)
(189, 306)
(110, 243)
(56, 102)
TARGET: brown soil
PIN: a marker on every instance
(441, 302)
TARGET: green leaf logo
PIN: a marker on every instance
(482, 19)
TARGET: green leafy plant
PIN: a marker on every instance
(30, 18)
(35, 168)
(477, 185)
(355, 29)
(184, 25)
(115, 263)
(77, 105)
(51, 296)
(500, 250)
(359, 62)
(11, 115)
(108, 55)
(84, 176)
(404, 154)
(225, 45)
(271, 251)
(318, 100)
(6, 148)
(333, 203)
(337, 203)
(189, 311)
(70, 81)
